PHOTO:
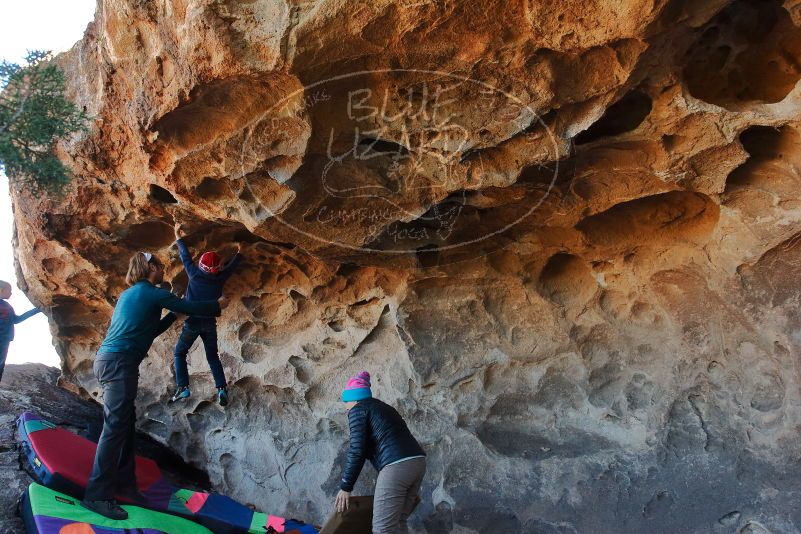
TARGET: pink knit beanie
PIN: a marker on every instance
(358, 388)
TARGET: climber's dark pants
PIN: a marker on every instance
(115, 467)
(3, 354)
(207, 331)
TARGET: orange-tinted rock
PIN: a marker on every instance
(560, 235)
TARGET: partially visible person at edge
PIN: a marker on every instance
(206, 281)
(7, 321)
(379, 434)
(135, 323)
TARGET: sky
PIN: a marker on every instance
(33, 25)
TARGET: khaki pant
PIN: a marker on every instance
(395, 492)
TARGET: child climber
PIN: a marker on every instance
(7, 321)
(206, 280)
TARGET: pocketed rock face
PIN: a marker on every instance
(562, 236)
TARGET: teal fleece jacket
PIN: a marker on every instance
(137, 320)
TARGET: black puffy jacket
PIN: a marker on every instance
(379, 434)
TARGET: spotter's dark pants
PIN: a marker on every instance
(114, 468)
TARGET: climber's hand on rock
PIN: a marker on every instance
(223, 302)
(342, 500)
(239, 248)
(179, 233)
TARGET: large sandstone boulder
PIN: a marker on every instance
(562, 236)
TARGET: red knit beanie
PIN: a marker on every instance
(209, 262)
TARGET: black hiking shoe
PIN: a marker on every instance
(108, 509)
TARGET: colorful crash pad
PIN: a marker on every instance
(63, 461)
(46, 511)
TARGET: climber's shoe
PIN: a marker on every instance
(222, 396)
(108, 509)
(181, 393)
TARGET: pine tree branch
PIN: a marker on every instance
(16, 114)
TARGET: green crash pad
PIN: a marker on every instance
(47, 511)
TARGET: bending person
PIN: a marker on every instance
(206, 281)
(8, 318)
(135, 323)
(379, 434)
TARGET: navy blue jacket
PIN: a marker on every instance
(203, 285)
(377, 433)
(8, 319)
